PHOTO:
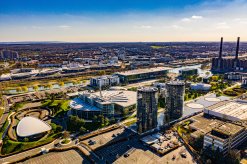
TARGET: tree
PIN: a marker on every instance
(82, 130)
(66, 134)
(26, 139)
(59, 128)
(24, 88)
(101, 72)
(233, 157)
(36, 88)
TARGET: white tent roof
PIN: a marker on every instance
(29, 126)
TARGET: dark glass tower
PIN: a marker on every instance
(147, 109)
(174, 100)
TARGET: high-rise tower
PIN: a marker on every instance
(220, 54)
(236, 61)
(147, 109)
(174, 100)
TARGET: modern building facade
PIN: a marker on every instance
(225, 137)
(147, 109)
(200, 87)
(104, 81)
(188, 72)
(142, 74)
(174, 100)
(8, 55)
(244, 82)
(109, 103)
(222, 65)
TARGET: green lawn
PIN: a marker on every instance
(10, 146)
(235, 91)
(5, 125)
(1, 111)
(63, 108)
(182, 130)
(157, 47)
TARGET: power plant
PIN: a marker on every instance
(228, 64)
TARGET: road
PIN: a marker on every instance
(5, 113)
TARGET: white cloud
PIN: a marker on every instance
(194, 17)
(176, 26)
(222, 25)
(186, 20)
(241, 20)
(143, 26)
(65, 27)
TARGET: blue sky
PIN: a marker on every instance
(91, 6)
(126, 20)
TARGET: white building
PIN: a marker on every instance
(200, 86)
(31, 127)
(104, 81)
(232, 110)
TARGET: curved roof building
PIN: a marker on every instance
(106, 102)
(30, 126)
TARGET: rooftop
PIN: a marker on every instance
(148, 89)
(228, 128)
(233, 110)
(120, 97)
(175, 82)
(30, 126)
(142, 71)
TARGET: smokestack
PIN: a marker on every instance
(237, 49)
(221, 42)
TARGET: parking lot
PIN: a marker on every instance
(102, 139)
(147, 157)
(115, 151)
(66, 157)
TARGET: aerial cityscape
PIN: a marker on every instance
(123, 82)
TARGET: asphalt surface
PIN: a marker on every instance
(5, 113)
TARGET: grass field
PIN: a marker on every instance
(157, 47)
(5, 125)
(63, 108)
(10, 146)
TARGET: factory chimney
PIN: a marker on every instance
(221, 43)
(237, 49)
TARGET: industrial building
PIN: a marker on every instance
(142, 74)
(147, 109)
(104, 81)
(231, 110)
(223, 65)
(109, 103)
(174, 100)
